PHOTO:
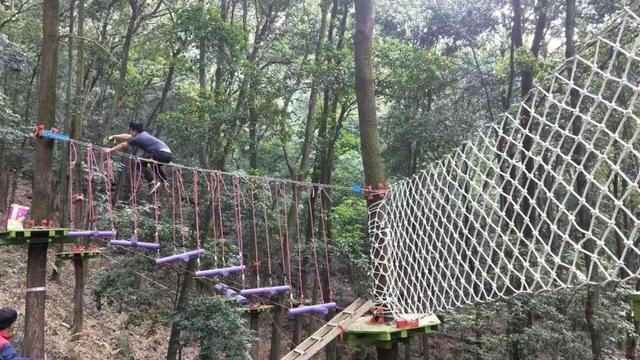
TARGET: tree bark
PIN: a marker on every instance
(308, 140)
(37, 255)
(220, 65)
(254, 324)
(174, 336)
(78, 303)
(159, 109)
(369, 137)
(124, 63)
(64, 178)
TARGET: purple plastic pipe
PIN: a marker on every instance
(312, 309)
(135, 244)
(180, 257)
(91, 233)
(220, 272)
(265, 290)
(224, 289)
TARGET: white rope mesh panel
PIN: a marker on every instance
(544, 200)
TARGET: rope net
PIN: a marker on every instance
(545, 199)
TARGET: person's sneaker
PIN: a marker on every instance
(154, 187)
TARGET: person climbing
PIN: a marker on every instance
(152, 148)
(8, 316)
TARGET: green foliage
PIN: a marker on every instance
(407, 73)
(120, 286)
(216, 326)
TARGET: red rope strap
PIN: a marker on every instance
(197, 208)
(313, 239)
(323, 230)
(73, 159)
(256, 263)
(267, 190)
(295, 210)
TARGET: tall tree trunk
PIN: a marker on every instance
(308, 137)
(78, 303)
(77, 131)
(239, 117)
(124, 63)
(220, 65)
(62, 175)
(174, 336)
(37, 255)
(254, 324)
(369, 137)
(159, 109)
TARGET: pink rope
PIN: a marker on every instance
(323, 231)
(156, 207)
(181, 195)
(255, 233)
(73, 159)
(197, 209)
(220, 184)
(134, 178)
(210, 190)
(238, 203)
(266, 231)
(284, 240)
(313, 241)
(108, 180)
(174, 188)
(295, 209)
(91, 211)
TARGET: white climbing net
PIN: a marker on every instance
(545, 199)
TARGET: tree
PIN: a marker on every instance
(369, 137)
(37, 256)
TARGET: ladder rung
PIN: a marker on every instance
(333, 324)
(299, 351)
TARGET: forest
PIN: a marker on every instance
(275, 108)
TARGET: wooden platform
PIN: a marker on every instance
(329, 331)
(78, 254)
(35, 236)
(365, 332)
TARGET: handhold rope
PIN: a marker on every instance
(197, 211)
(323, 231)
(255, 233)
(73, 159)
(313, 239)
(239, 202)
(267, 190)
(294, 208)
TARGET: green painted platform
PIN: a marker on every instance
(635, 305)
(78, 254)
(36, 236)
(366, 332)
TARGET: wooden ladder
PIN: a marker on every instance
(329, 331)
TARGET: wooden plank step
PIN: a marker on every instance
(323, 336)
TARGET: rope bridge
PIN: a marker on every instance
(545, 199)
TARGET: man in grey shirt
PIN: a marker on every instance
(152, 148)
